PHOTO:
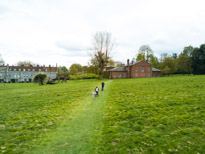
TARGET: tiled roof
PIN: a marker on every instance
(155, 69)
(118, 69)
(136, 62)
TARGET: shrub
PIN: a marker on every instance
(84, 76)
(40, 78)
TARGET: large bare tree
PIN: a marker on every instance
(102, 47)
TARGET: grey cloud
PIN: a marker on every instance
(70, 46)
(72, 49)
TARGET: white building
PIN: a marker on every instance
(25, 73)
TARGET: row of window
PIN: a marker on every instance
(28, 70)
(124, 75)
(23, 75)
(119, 75)
(142, 69)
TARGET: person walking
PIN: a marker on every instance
(97, 91)
(103, 84)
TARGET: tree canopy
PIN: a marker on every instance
(146, 53)
(198, 60)
(40, 78)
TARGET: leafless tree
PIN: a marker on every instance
(102, 47)
(1, 60)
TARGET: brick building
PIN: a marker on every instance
(25, 73)
(138, 69)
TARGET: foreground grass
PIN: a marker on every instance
(155, 115)
(81, 131)
(152, 115)
(28, 112)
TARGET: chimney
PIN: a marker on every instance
(132, 62)
(37, 65)
(49, 65)
(128, 63)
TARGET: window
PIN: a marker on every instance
(24, 70)
(124, 74)
(148, 69)
(39, 70)
(46, 70)
(29, 70)
(148, 75)
(33, 70)
(158, 75)
(14, 69)
(119, 75)
(9, 69)
(114, 75)
(136, 69)
(153, 74)
(19, 70)
(136, 75)
(142, 69)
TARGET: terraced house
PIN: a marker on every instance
(138, 69)
(25, 73)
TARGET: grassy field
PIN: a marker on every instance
(155, 115)
(28, 112)
(152, 115)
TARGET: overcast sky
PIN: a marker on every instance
(60, 31)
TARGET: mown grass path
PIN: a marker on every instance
(80, 133)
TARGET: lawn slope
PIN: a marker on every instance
(81, 132)
(155, 115)
(28, 112)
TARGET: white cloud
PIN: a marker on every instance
(60, 31)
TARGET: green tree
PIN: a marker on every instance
(102, 46)
(168, 65)
(198, 60)
(184, 62)
(75, 69)
(154, 61)
(25, 63)
(40, 78)
(146, 52)
(140, 57)
(63, 73)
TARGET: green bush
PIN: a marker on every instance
(84, 76)
(40, 78)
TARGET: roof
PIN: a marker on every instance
(118, 69)
(155, 70)
(136, 62)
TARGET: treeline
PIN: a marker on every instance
(190, 61)
(77, 71)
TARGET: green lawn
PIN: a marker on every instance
(150, 115)
(155, 115)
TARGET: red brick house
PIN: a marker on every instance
(138, 69)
